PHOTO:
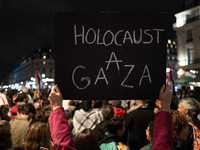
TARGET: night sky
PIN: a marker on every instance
(27, 25)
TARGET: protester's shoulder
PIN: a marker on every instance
(147, 147)
(196, 122)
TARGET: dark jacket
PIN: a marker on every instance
(188, 143)
(101, 129)
(136, 124)
(114, 138)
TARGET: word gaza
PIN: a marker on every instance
(102, 76)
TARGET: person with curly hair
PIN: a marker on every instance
(180, 125)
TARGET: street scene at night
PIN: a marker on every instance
(100, 75)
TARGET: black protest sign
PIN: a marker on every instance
(110, 55)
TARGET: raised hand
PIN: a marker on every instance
(55, 97)
(165, 98)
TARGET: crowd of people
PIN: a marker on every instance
(37, 120)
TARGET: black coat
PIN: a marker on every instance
(136, 124)
(101, 129)
(188, 143)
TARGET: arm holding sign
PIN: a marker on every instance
(163, 123)
(60, 131)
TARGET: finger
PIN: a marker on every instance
(58, 90)
(162, 89)
(167, 88)
(53, 89)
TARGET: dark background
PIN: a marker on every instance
(27, 25)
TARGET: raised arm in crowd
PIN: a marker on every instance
(60, 130)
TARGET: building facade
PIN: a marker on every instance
(41, 60)
(172, 57)
(187, 29)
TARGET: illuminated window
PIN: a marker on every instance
(168, 57)
(44, 62)
(190, 55)
(172, 57)
(167, 51)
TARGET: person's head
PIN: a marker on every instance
(68, 113)
(19, 109)
(5, 108)
(37, 136)
(140, 102)
(86, 105)
(5, 123)
(107, 112)
(47, 113)
(29, 109)
(87, 140)
(46, 103)
(44, 96)
(190, 107)
(5, 135)
(116, 103)
(180, 124)
(96, 103)
(149, 132)
(39, 114)
(3, 91)
(116, 126)
(72, 103)
(22, 98)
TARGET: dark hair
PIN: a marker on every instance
(39, 114)
(114, 124)
(10, 93)
(45, 103)
(68, 113)
(38, 136)
(87, 140)
(5, 135)
(21, 97)
(96, 103)
(107, 112)
(20, 108)
(116, 103)
(86, 105)
(47, 113)
(72, 103)
(36, 99)
(5, 108)
(151, 125)
(3, 90)
(28, 108)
